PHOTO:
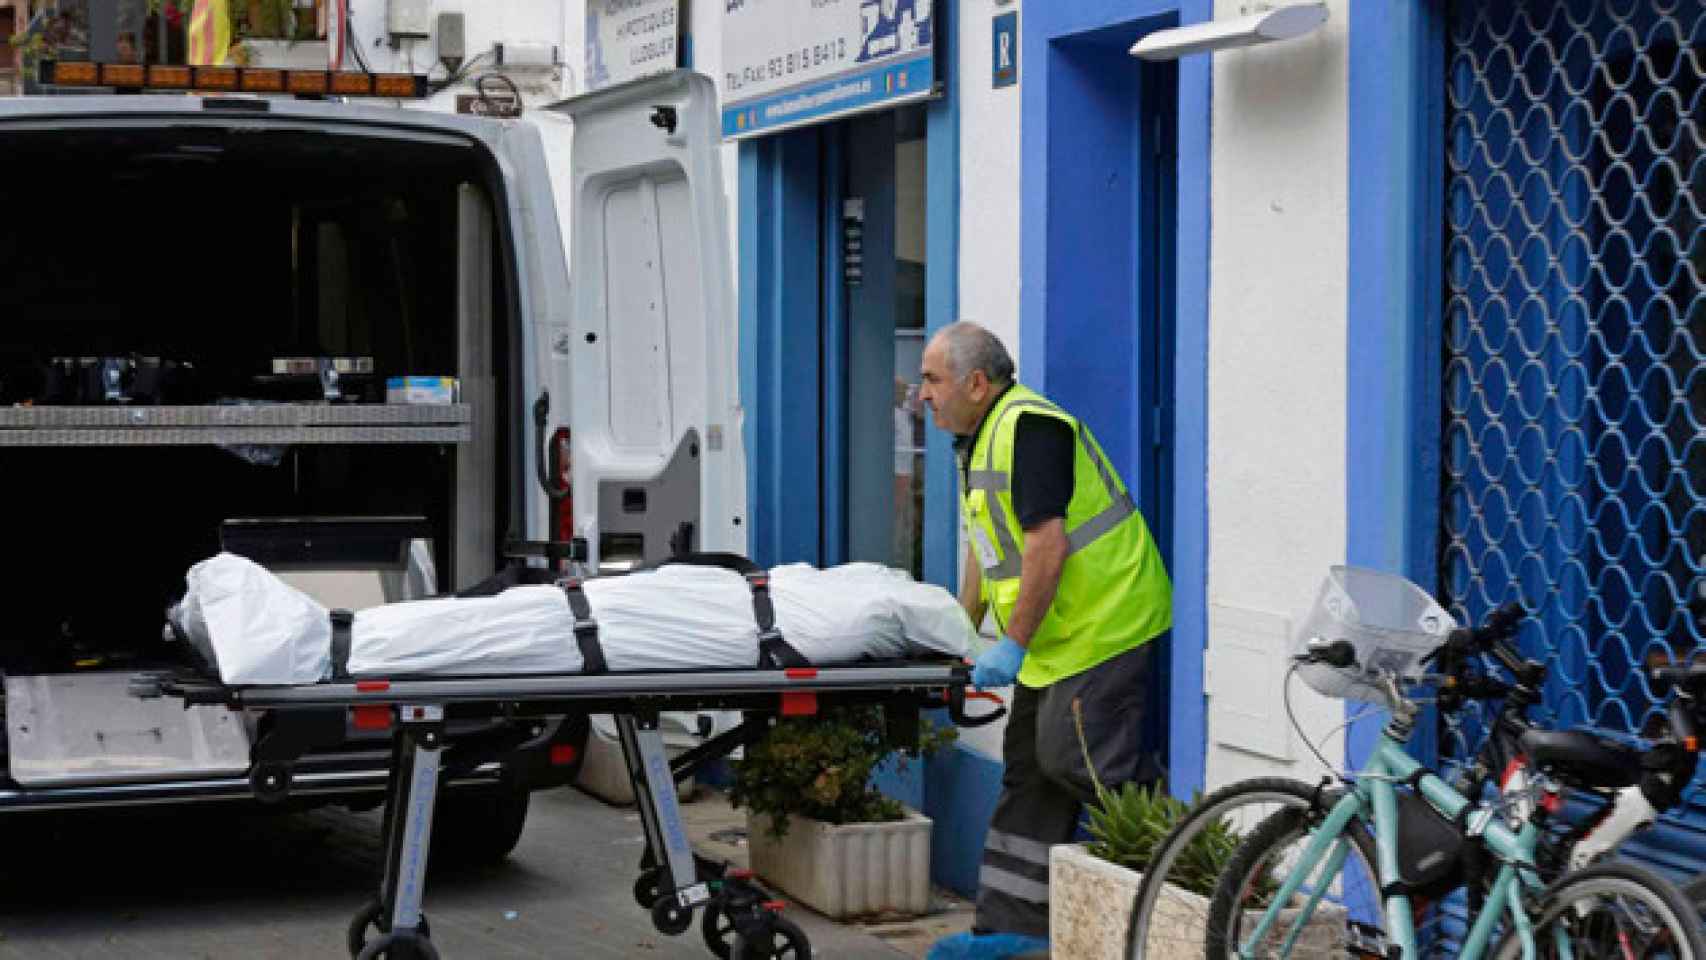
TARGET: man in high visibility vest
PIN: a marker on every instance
(1063, 562)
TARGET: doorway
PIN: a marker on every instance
(833, 272)
(882, 262)
(1100, 339)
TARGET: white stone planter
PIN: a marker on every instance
(1090, 904)
(604, 771)
(854, 869)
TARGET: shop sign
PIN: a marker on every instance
(788, 63)
(630, 39)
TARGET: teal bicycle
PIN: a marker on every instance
(1345, 871)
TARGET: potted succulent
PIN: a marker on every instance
(817, 827)
(1093, 886)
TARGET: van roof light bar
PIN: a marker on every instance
(133, 76)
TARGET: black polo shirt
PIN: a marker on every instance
(1044, 451)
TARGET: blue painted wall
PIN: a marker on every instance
(1078, 339)
(779, 353)
(942, 295)
(961, 786)
(1393, 334)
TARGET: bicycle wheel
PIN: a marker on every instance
(1336, 912)
(1612, 910)
(1696, 894)
(1185, 864)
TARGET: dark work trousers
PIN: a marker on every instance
(1045, 785)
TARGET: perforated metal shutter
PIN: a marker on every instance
(1575, 354)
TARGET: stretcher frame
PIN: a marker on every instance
(673, 881)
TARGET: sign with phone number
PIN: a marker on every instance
(788, 63)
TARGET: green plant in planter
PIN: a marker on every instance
(1129, 823)
(820, 768)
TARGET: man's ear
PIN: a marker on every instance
(978, 382)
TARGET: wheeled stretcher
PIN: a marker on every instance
(740, 920)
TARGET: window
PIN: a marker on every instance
(909, 338)
(1575, 328)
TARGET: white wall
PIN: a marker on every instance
(1277, 382)
(558, 22)
(989, 178)
(989, 213)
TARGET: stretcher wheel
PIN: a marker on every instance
(367, 918)
(718, 928)
(670, 917)
(781, 939)
(646, 890)
(396, 946)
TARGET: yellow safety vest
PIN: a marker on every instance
(1114, 594)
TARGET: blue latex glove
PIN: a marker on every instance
(999, 665)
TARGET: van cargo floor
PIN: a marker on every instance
(85, 728)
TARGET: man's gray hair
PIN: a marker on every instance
(972, 347)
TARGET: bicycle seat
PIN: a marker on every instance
(1583, 758)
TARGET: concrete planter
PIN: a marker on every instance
(854, 869)
(1090, 904)
(604, 771)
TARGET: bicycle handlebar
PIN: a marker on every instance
(1489, 637)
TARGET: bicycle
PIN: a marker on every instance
(1633, 784)
(1610, 904)
(1173, 923)
(1369, 910)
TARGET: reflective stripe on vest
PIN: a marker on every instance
(991, 481)
(1113, 594)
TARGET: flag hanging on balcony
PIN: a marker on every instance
(210, 32)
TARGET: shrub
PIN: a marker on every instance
(820, 768)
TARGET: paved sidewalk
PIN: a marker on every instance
(217, 883)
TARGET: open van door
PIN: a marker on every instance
(648, 358)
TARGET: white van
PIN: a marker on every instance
(318, 334)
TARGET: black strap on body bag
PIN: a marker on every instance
(586, 628)
(343, 622)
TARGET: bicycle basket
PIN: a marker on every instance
(1392, 623)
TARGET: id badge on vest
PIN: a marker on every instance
(980, 542)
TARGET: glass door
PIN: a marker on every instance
(883, 270)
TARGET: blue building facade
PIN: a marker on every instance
(1532, 313)
(1523, 317)
(1099, 333)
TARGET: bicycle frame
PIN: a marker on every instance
(1375, 793)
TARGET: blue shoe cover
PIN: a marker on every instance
(985, 946)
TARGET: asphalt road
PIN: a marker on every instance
(224, 883)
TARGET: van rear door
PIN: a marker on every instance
(648, 355)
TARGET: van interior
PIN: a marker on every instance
(204, 284)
